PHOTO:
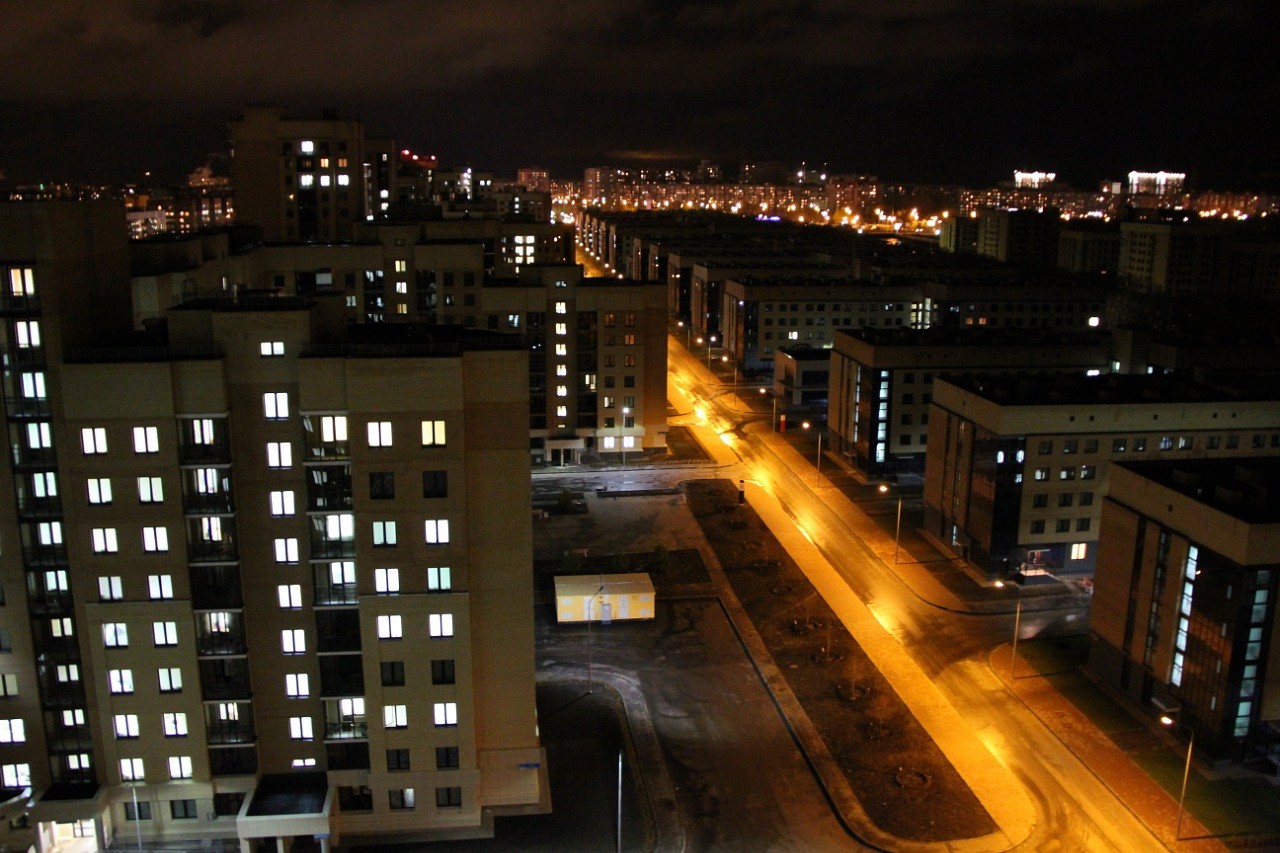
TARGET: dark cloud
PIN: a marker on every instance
(934, 89)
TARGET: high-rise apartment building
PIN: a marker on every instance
(258, 552)
(300, 179)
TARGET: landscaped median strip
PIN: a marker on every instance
(990, 782)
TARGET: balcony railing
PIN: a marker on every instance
(204, 454)
(208, 504)
(348, 756)
(33, 508)
(205, 551)
(216, 588)
(35, 554)
(323, 548)
(233, 761)
(346, 730)
(221, 643)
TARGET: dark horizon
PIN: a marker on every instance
(924, 91)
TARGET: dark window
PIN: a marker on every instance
(435, 484)
(1040, 501)
(442, 672)
(382, 485)
(1037, 527)
(397, 759)
(143, 811)
(446, 757)
(1086, 499)
(181, 809)
(628, 382)
(1082, 524)
(1064, 525)
(448, 798)
(392, 673)
(1065, 499)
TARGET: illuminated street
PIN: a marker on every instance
(1073, 809)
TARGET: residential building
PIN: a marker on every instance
(882, 381)
(1016, 466)
(278, 553)
(299, 180)
(1183, 613)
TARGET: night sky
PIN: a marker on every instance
(959, 91)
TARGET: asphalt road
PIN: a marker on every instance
(1075, 811)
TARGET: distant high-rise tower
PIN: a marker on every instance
(535, 179)
(298, 179)
(1156, 183)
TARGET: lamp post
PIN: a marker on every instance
(688, 332)
(625, 411)
(1017, 625)
(724, 359)
(711, 342)
(897, 529)
(773, 420)
(817, 465)
(590, 642)
(1166, 719)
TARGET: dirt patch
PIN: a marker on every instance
(904, 782)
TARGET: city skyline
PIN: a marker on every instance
(929, 91)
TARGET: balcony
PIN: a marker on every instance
(212, 539)
(324, 548)
(32, 508)
(348, 756)
(226, 732)
(28, 407)
(328, 488)
(216, 588)
(11, 303)
(342, 675)
(220, 632)
(192, 453)
(224, 679)
(37, 554)
(217, 503)
(25, 457)
(233, 761)
(337, 631)
(49, 602)
(334, 584)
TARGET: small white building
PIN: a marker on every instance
(603, 598)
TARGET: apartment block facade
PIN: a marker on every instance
(882, 381)
(1016, 466)
(1183, 614)
(251, 550)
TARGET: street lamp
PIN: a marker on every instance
(590, 642)
(711, 342)
(688, 332)
(625, 411)
(817, 465)
(1017, 625)
(773, 421)
(1167, 720)
(724, 359)
(897, 530)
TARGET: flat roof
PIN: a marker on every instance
(974, 336)
(1245, 489)
(633, 583)
(289, 794)
(1067, 389)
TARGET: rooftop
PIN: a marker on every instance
(289, 794)
(1060, 389)
(974, 336)
(1245, 489)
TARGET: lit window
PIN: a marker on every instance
(440, 624)
(175, 725)
(100, 490)
(384, 533)
(27, 333)
(562, 391)
(293, 641)
(93, 440)
(300, 728)
(437, 531)
(110, 588)
(297, 685)
(275, 405)
(13, 731)
(279, 454)
(40, 436)
(438, 578)
(271, 349)
(146, 440)
(290, 595)
(165, 633)
(562, 308)
(562, 329)
(333, 428)
(155, 539)
(180, 767)
(170, 679)
(120, 680)
(115, 635)
(62, 626)
(306, 146)
(395, 716)
(104, 540)
(33, 386)
(67, 673)
(282, 503)
(433, 433)
(160, 586)
(401, 799)
(344, 180)
(390, 627)
(126, 726)
(562, 411)
(49, 532)
(446, 713)
(325, 180)
(286, 550)
(386, 581)
(379, 433)
(132, 770)
(150, 490)
(1079, 550)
